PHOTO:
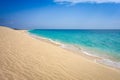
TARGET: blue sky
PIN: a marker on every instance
(60, 14)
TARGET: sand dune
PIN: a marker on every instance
(25, 58)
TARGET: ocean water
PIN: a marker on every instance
(102, 43)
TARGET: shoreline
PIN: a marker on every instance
(26, 58)
(94, 58)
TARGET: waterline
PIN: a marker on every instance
(91, 43)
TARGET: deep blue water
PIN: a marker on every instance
(105, 43)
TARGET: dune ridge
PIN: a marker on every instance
(23, 57)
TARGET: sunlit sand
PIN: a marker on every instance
(23, 57)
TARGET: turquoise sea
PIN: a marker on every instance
(101, 43)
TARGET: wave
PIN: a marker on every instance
(109, 62)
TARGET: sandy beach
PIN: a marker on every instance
(23, 57)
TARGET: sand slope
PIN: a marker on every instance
(25, 58)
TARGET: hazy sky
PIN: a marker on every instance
(60, 14)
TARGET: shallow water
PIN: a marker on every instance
(103, 43)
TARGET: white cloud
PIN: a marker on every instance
(89, 1)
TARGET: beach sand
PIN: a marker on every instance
(23, 57)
